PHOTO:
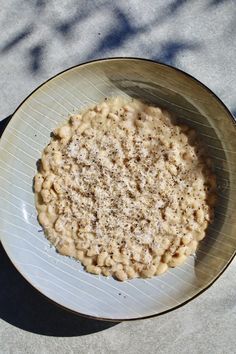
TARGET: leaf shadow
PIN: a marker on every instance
(171, 49)
(122, 29)
(119, 34)
(36, 57)
(16, 39)
(40, 4)
(66, 27)
(217, 2)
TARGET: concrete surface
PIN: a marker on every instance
(42, 37)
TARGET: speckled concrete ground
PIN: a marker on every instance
(40, 38)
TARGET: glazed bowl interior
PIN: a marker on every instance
(62, 279)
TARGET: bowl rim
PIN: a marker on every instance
(230, 115)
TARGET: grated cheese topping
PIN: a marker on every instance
(124, 190)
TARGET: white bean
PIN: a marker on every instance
(149, 271)
(45, 163)
(106, 271)
(38, 181)
(45, 193)
(59, 224)
(48, 181)
(57, 158)
(121, 275)
(200, 216)
(130, 272)
(176, 261)
(64, 132)
(167, 257)
(87, 261)
(43, 219)
(101, 258)
(162, 268)
(93, 269)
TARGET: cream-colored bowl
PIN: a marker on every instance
(62, 279)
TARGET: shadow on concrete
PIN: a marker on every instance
(66, 27)
(40, 4)
(24, 307)
(176, 5)
(36, 57)
(171, 49)
(16, 39)
(4, 123)
(217, 2)
(118, 34)
(121, 31)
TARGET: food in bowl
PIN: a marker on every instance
(125, 190)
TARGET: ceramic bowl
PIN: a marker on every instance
(63, 279)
